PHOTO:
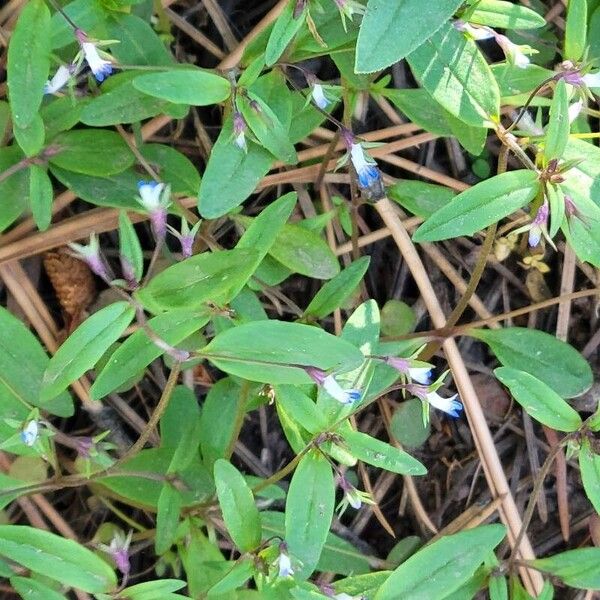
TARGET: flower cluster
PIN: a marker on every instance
(414, 370)
(98, 61)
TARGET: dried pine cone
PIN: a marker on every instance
(73, 283)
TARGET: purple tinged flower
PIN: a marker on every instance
(476, 33)
(84, 446)
(513, 52)
(592, 80)
(318, 96)
(352, 497)
(60, 79)
(30, 432)
(450, 405)
(539, 224)
(349, 8)
(90, 254)
(119, 551)
(155, 198)
(572, 77)
(332, 387)
(100, 67)
(186, 237)
(284, 563)
(366, 168)
(421, 374)
(128, 272)
(239, 131)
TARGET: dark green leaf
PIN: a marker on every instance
(308, 511)
(540, 401)
(480, 206)
(284, 30)
(167, 518)
(28, 62)
(40, 196)
(34, 590)
(505, 15)
(442, 567)
(540, 354)
(85, 346)
(55, 557)
(576, 30)
(392, 30)
(557, 134)
(237, 505)
(577, 568)
(92, 152)
(453, 70)
(589, 465)
(185, 86)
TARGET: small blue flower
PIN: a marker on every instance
(29, 433)
(366, 170)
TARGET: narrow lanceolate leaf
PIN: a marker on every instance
(231, 174)
(185, 86)
(275, 351)
(557, 134)
(382, 455)
(506, 15)
(589, 465)
(453, 70)
(84, 347)
(55, 557)
(138, 350)
(190, 284)
(41, 196)
(576, 30)
(335, 292)
(308, 511)
(129, 246)
(480, 206)
(34, 590)
(540, 401)
(441, 568)
(237, 505)
(28, 61)
(284, 30)
(577, 568)
(391, 30)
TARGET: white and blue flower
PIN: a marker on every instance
(155, 198)
(60, 79)
(30, 432)
(100, 67)
(450, 406)
(332, 387)
(366, 168)
(318, 96)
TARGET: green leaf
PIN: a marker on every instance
(589, 465)
(420, 198)
(89, 15)
(308, 511)
(243, 170)
(173, 167)
(152, 590)
(28, 62)
(540, 354)
(267, 127)
(539, 400)
(335, 292)
(219, 419)
(14, 190)
(208, 277)
(121, 102)
(392, 30)
(505, 15)
(185, 86)
(85, 346)
(92, 152)
(453, 70)
(300, 408)
(22, 366)
(576, 30)
(407, 424)
(40, 196)
(167, 518)
(557, 134)
(55, 557)
(32, 137)
(275, 351)
(480, 206)
(304, 252)
(138, 350)
(442, 567)
(382, 455)
(577, 568)
(130, 248)
(284, 30)
(34, 590)
(138, 43)
(237, 505)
